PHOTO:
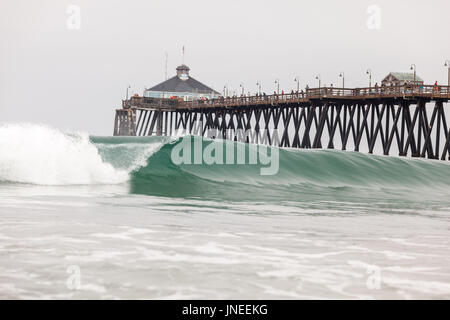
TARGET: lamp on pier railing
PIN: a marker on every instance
(242, 86)
(297, 79)
(258, 83)
(318, 77)
(413, 67)
(369, 72)
(447, 64)
(277, 82)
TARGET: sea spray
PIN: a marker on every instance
(37, 154)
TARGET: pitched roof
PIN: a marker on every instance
(403, 76)
(175, 84)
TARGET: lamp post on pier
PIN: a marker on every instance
(242, 86)
(225, 90)
(342, 75)
(318, 77)
(258, 83)
(128, 87)
(296, 79)
(413, 67)
(277, 82)
(447, 64)
(369, 72)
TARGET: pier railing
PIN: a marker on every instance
(375, 92)
(404, 91)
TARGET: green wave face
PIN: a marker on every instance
(302, 174)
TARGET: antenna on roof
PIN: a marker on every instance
(166, 64)
(182, 62)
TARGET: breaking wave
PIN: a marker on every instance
(37, 154)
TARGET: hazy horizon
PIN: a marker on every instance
(74, 79)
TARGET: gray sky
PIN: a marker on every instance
(74, 79)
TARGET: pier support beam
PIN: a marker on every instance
(125, 122)
(159, 123)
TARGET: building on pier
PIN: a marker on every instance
(401, 78)
(182, 86)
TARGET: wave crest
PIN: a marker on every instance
(37, 154)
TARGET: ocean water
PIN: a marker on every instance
(85, 217)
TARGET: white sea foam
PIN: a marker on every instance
(37, 154)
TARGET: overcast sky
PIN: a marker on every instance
(73, 79)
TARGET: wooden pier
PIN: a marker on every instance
(408, 120)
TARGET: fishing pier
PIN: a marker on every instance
(407, 120)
